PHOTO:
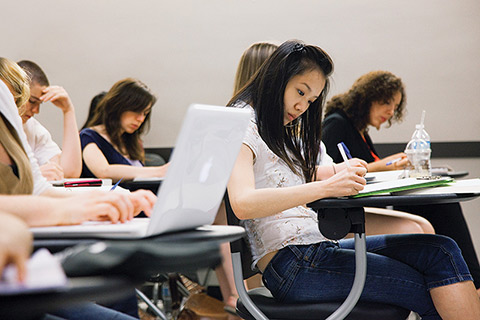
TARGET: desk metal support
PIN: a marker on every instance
(359, 281)
(151, 305)
(335, 223)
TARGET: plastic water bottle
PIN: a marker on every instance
(418, 153)
(420, 133)
(167, 300)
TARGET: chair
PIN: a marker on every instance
(260, 304)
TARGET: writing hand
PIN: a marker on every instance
(347, 182)
(52, 171)
(396, 161)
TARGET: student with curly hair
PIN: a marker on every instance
(376, 98)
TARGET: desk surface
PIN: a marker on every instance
(453, 174)
(213, 234)
(152, 185)
(388, 200)
(100, 289)
(125, 262)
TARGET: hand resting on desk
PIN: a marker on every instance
(99, 205)
(15, 243)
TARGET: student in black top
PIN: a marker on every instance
(375, 98)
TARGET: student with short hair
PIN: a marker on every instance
(55, 163)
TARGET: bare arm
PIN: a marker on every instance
(382, 164)
(98, 164)
(52, 170)
(71, 157)
(248, 202)
(75, 209)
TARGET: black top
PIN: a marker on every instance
(336, 128)
(88, 136)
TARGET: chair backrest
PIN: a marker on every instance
(241, 245)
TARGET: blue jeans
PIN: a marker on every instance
(401, 269)
(88, 311)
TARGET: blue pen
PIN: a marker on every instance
(393, 161)
(341, 147)
(116, 184)
(347, 152)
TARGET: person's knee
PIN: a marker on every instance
(408, 226)
(444, 243)
(449, 244)
(427, 227)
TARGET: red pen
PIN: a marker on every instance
(83, 183)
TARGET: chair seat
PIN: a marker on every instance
(286, 311)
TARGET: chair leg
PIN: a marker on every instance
(242, 292)
(159, 313)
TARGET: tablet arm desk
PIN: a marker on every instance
(337, 217)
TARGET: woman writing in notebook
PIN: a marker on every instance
(276, 175)
(111, 142)
(376, 98)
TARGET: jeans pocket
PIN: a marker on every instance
(280, 273)
(272, 279)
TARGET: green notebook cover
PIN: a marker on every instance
(400, 185)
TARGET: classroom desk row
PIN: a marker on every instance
(104, 280)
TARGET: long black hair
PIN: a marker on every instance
(297, 145)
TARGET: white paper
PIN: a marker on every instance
(44, 273)
(382, 176)
(460, 186)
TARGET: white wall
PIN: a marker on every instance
(187, 51)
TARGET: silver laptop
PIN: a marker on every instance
(190, 194)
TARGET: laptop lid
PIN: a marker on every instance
(200, 166)
(192, 190)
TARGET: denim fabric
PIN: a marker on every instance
(400, 271)
(89, 311)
